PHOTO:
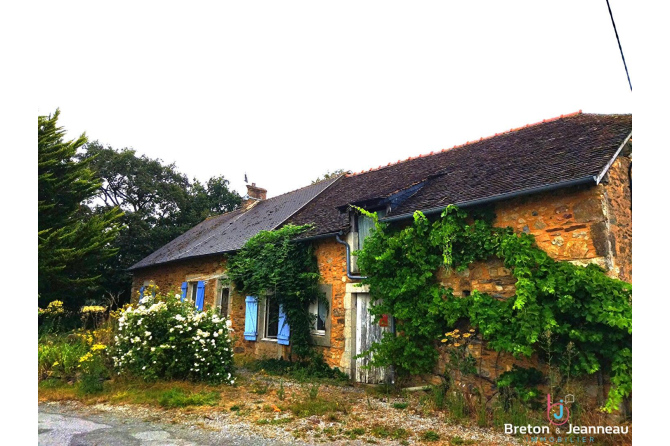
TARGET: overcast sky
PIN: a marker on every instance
(285, 91)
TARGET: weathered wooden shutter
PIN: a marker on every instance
(284, 329)
(184, 289)
(251, 319)
(200, 296)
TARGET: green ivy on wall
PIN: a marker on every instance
(578, 305)
(271, 263)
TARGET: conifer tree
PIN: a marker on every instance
(72, 238)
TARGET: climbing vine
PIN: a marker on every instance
(581, 306)
(272, 263)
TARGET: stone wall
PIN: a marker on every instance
(582, 224)
(585, 224)
(331, 260)
(170, 276)
(617, 186)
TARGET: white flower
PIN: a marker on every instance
(153, 349)
(216, 335)
(147, 333)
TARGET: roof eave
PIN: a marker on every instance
(602, 174)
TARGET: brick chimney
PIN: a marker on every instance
(254, 195)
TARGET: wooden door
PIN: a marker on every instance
(367, 333)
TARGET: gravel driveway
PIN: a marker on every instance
(74, 424)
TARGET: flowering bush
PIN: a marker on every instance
(50, 318)
(165, 338)
(92, 316)
(93, 369)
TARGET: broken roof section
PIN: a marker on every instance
(552, 153)
(230, 231)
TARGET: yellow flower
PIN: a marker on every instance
(448, 334)
(55, 307)
(97, 347)
(456, 344)
(445, 340)
(55, 364)
(466, 335)
(86, 357)
(457, 331)
(93, 309)
(472, 330)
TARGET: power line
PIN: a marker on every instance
(620, 49)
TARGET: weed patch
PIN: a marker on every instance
(178, 398)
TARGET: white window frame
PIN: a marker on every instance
(192, 291)
(314, 310)
(264, 316)
(224, 284)
(322, 337)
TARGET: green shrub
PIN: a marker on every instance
(520, 383)
(315, 368)
(317, 407)
(93, 369)
(313, 391)
(163, 337)
(430, 435)
(58, 356)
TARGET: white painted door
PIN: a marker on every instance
(367, 333)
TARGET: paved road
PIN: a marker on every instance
(63, 426)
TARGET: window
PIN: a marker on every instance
(271, 319)
(320, 310)
(365, 226)
(323, 315)
(192, 292)
(224, 298)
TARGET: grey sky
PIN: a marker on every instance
(288, 90)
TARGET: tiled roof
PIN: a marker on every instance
(549, 153)
(230, 231)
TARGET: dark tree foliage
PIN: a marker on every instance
(72, 239)
(160, 203)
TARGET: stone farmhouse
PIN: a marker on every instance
(565, 180)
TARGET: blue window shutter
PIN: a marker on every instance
(200, 296)
(284, 329)
(251, 319)
(184, 289)
(141, 293)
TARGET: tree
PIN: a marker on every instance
(72, 239)
(160, 203)
(328, 175)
